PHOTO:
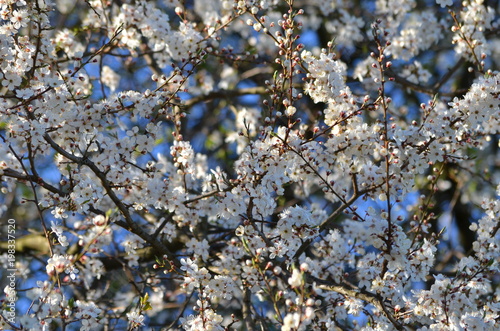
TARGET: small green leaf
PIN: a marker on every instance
(145, 305)
(71, 302)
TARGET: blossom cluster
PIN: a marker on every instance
(251, 164)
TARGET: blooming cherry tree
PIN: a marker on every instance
(250, 165)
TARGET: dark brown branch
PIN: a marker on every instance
(32, 178)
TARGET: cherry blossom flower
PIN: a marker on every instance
(135, 318)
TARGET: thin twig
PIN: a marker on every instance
(224, 94)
